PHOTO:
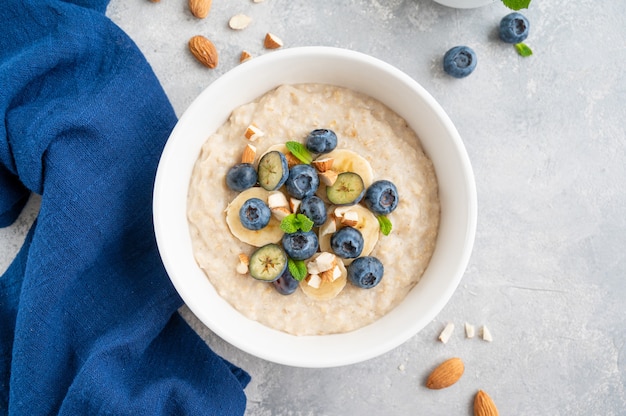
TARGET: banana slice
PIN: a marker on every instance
(347, 161)
(367, 224)
(327, 290)
(270, 234)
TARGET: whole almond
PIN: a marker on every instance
(200, 8)
(483, 405)
(204, 50)
(446, 374)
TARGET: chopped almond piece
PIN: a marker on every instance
(446, 333)
(277, 199)
(244, 261)
(328, 227)
(328, 177)
(322, 165)
(280, 212)
(314, 281)
(486, 334)
(249, 154)
(350, 218)
(239, 22)
(294, 204)
(272, 41)
(245, 55)
(291, 160)
(253, 133)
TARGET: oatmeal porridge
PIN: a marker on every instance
(363, 126)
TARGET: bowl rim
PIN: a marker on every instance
(250, 336)
(465, 4)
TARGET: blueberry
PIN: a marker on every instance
(381, 197)
(314, 208)
(286, 284)
(273, 170)
(268, 263)
(514, 28)
(302, 181)
(241, 177)
(459, 61)
(347, 242)
(254, 214)
(366, 272)
(300, 245)
(321, 141)
(348, 189)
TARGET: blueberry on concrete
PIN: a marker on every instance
(302, 181)
(254, 214)
(459, 61)
(315, 209)
(321, 141)
(381, 197)
(347, 242)
(241, 177)
(514, 28)
(300, 245)
(365, 272)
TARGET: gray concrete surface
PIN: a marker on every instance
(547, 139)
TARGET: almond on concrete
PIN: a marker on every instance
(200, 8)
(272, 41)
(239, 22)
(245, 55)
(446, 374)
(483, 405)
(204, 50)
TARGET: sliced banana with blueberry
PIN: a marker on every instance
(358, 218)
(271, 233)
(345, 160)
(351, 174)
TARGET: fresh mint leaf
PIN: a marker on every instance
(289, 224)
(523, 49)
(300, 151)
(516, 4)
(297, 268)
(294, 222)
(304, 223)
(385, 224)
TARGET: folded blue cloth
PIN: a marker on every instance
(88, 316)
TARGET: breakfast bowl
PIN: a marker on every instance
(353, 71)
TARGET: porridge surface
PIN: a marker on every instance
(363, 125)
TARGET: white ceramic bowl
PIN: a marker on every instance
(465, 4)
(344, 68)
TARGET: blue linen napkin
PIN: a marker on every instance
(88, 317)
